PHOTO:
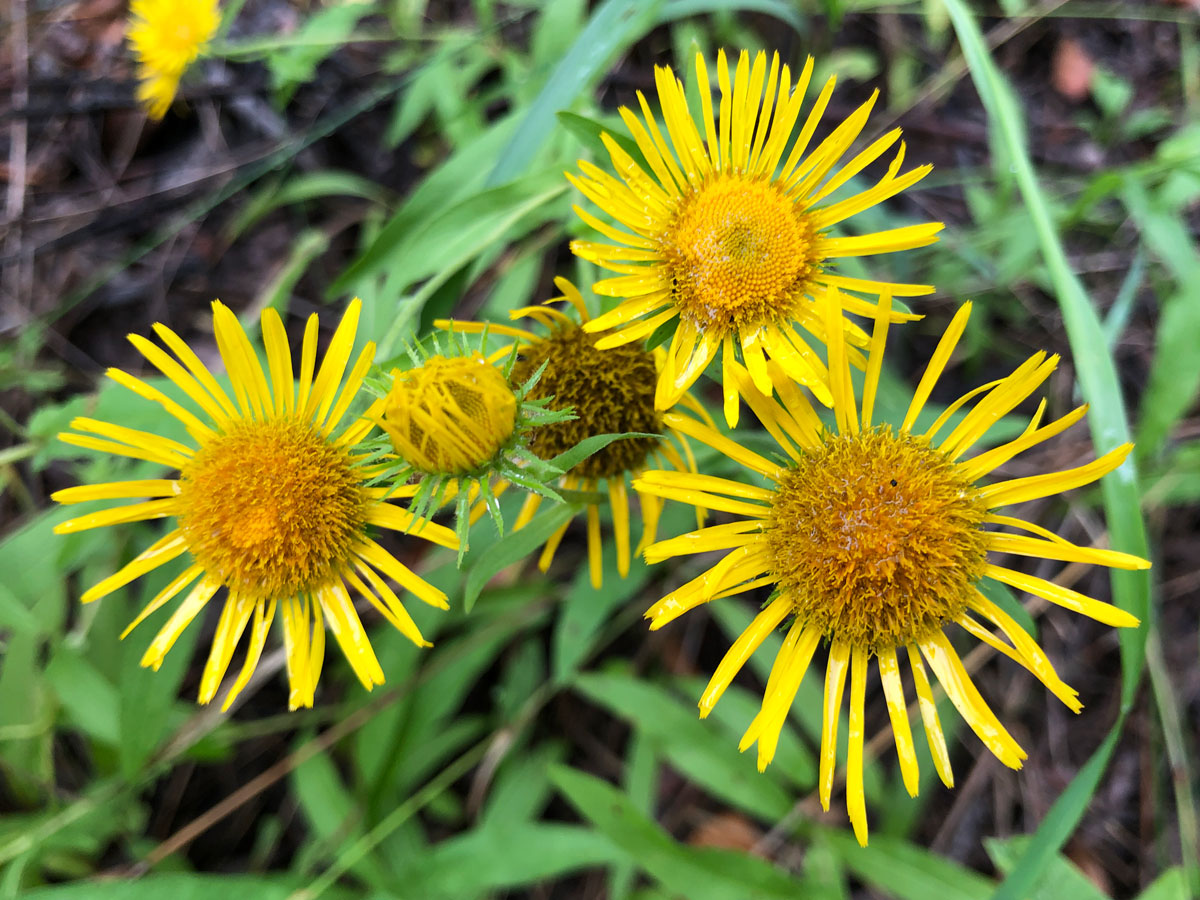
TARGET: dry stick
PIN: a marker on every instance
(771, 841)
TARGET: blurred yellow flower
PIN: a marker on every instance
(874, 540)
(731, 236)
(449, 416)
(167, 36)
(269, 503)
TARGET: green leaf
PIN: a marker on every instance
(320, 36)
(614, 25)
(89, 698)
(1170, 885)
(1175, 371)
(785, 12)
(585, 609)
(297, 189)
(705, 755)
(902, 869)
(455, 180)
(331, 812)
(698, 874)
(569, 459)
(1061, 878)
(589, 130)
(1101, 388)
(177, 886)
(505, 855)
(513, 548)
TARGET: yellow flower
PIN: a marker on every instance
(732, 237)
(269, 503)
(874, 540)
(449, 416)
(167, 36)
(611, 392)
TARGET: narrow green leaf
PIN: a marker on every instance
(698, 874)
(569, 459)
(297, 189)
(589, 130)
(906, 871)
(785, 12)
(1175, 370)
(614, 25)
(456, 179)
(1061, 878)
(1101, 388)
(1170, 885)
(513, 548)
(505, 855)
(176, 885)
(703, 754)
(89, 698)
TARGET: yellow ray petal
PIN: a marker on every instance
(384, 599)
(164, 596)
(856, 801)
(875, 358)
(937, 363)
(235, 615)
(1065, 597)
(160, 552)
(180, 619)
(1027, 546)
(791, 665)
(197, 429)
(929, 717)
(374, 554)
(1019, 490)
(705, 540)
(747, 642)
(264, 614)
(348, 631)
(117, 490)
(835, 681)
(966, 699)
(279, 364)
(722, 444)
(893, 689)
(594, 546)
(1034, 657)
(120, 515)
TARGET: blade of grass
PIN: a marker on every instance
(1098, 381)
(614, 24)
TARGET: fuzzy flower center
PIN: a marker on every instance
(271, 508)
(739, 254)
(451, 416)
(612, 392)
(877, 538)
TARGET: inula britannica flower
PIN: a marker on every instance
(611, 392)
(268, 503)
(874, 540)
(730, 230)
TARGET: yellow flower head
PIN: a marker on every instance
(449, 416)
(732, 237)
(875, 539)
(167, 36)
(611, 392)
(269, 503)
